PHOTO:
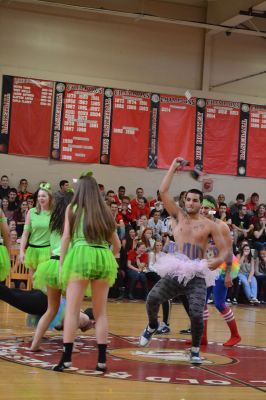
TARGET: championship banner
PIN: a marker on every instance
(77, 123)
(176, 129)
(221, 137)
(30, 119)
(107, 126)
(154, 127)
(199, 134)
(6, 112)
(243, 140)
(130, 128)
(256, 166)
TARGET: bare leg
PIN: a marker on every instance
(100, 290)
(74, 297)
(53, 305)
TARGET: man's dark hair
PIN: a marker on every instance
(240, 196)
(255, 194)
(110, 191)
(121, 187)
(4, 176)
(14, 190)
(223, 204)
(240, 206)
(196, 191)
(62, 183)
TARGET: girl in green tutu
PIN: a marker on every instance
(89, 228)
(4, 247)
(36, 231)
(47, 274)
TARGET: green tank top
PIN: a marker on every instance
(55, 242)
(39, 227)
(2, 219)
(79, 239)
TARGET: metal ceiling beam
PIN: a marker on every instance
(147, 17)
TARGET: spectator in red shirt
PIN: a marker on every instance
(125, 211)
(140, 209)
(137, 263)
(253, 205)
(120, 194)
(23, 193)
(139, 195)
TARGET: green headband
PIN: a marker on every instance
(208, 203)
(88, 173)
(45, 186)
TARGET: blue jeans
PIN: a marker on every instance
(250, 288)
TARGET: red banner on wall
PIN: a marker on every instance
(256, 165)
(221, 136)
(30, 123)
(176, 129)
(77, 123)
(130, 128)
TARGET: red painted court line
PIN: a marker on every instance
(218, 374)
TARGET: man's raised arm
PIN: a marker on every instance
(167, 200)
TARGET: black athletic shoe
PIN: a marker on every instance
(185, 331)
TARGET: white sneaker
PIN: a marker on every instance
(146, 336)
(195, 358)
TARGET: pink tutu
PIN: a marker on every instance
(179, 266)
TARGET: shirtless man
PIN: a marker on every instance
(225, 279)
(191, 235)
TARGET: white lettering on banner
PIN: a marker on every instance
(153, 130)
(58, 111)
(5, 114)
(231, 104)
(170, 99)
(243, 139)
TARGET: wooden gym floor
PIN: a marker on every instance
(238, 373)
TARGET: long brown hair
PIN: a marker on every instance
(87, 203)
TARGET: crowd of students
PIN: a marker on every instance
(144, 229)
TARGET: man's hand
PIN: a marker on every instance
(228, 280)
(214, 263)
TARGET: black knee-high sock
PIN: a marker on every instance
(102, 353)
(67, 353)
(65, 359)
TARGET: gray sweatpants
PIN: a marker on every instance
(168, 288)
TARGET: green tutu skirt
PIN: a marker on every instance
(36, 255)
(4, 263)
(47, 274)
(88, 262)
